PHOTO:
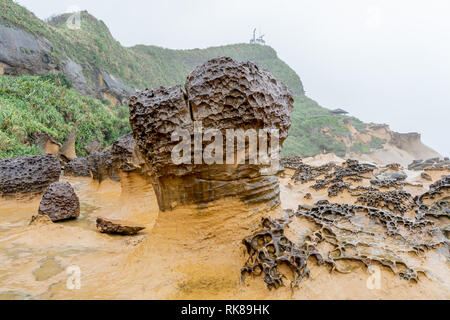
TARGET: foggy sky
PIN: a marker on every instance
(383, 61)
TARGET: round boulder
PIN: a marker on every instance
(60, 202)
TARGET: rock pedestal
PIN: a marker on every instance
(222, 94)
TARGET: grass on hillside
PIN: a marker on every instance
(305, 137)
(29, 104)
(140, 67)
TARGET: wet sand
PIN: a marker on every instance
(189, 253)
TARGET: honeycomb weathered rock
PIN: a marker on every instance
(60, 202)
(222, 94)
(28, 174)
(101, 166)
(351, 233)
(78, 167)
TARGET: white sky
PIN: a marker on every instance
(384, 61)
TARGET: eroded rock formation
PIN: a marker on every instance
(222, 94)
(60, 202)
(101, 166)
(78, 167)
(28, 174)
(121, 227)
(430, 164)
(125, 156)
(388, 239)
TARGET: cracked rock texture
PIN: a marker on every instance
(60, 202)
(28, 174)
(223, 94)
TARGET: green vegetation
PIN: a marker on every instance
(140, 67)
(307, 136)
(45, 103)
(376, 143)
(29, 104)
(359, 147)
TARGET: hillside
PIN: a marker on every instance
(31, 104)
(100, 67)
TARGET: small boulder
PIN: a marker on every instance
(60, 202)
(78, 167)
(110, 226)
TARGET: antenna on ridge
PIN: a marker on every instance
(257, 40)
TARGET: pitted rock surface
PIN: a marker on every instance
(101, 166)
(292, 162)
(389, 180)
(430, 164)
(222, 94)
(125, 156)
(28, 174)
(226, 94)
(349, 233)
(78, 167)
(60, 202)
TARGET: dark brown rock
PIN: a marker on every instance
(222, 94)
(125, 156)
(121, 227)
(101, 166)
(28, 174)
(78, 167)
(292, 162)
(60, 202)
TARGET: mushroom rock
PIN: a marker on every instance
(78, 167)
(222, 94)
(125, 156)
(60, 202)
(28, 174)
(137, 197)
(101, 166)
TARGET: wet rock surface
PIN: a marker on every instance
(222, 94)
(60, 202)
(28, 174)
(430, 164)
(125, 156)
(120, 227)
(387, 238)
(78, 167)
(370, 224)
(292, 162)
(389, 179)
(101, 166)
